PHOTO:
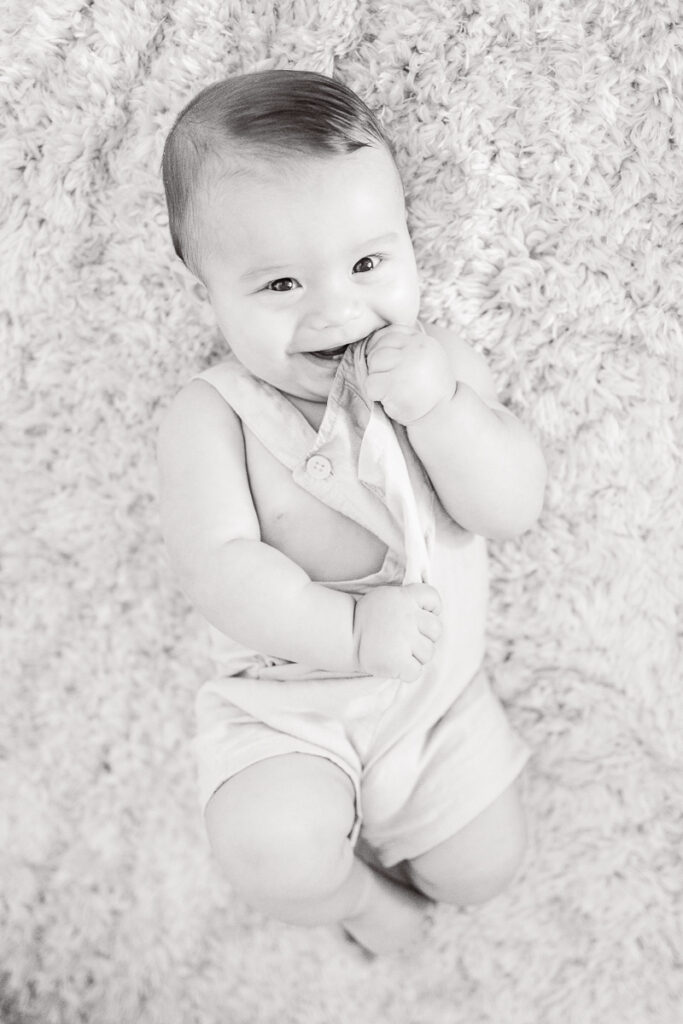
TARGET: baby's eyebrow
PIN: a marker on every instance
(390, 236)
(261, 271)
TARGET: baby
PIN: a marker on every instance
(326, 492)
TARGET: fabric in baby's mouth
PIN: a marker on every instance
(382, 466)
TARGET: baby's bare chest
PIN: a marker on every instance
(326, 544)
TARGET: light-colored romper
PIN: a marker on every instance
(425, 758)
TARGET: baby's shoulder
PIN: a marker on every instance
(197, 414)
(197, 401)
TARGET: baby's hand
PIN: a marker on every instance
(395, 630)
(408, 372)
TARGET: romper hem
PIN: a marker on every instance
(423, 839)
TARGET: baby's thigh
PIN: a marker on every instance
(280, 827)
(477, 862)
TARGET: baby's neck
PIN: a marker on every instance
(312, 411)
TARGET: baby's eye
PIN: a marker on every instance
(367, 263)
(282, 284)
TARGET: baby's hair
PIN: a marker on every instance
(265, 115)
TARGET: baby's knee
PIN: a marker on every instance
(273, 854)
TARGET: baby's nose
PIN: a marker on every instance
(334, 308)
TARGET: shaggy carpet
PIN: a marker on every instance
(541, 145)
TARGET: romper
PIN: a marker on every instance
(425, 758)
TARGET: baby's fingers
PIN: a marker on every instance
(411, 671)
(376, 386)
(427, 597)
(429, 625)
(383, 359)
(423, 650)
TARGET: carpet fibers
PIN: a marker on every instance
(541, 145)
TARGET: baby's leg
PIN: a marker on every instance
(479, 861)
(280, 831)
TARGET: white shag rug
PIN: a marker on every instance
(541, 144)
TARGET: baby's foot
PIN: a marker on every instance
(393, 917)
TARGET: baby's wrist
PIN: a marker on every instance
(442, 402)
(331, 621)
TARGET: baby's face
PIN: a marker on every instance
(301, 260)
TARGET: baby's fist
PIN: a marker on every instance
(395, 630)
(408, 372)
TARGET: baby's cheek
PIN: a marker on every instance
(402, 301)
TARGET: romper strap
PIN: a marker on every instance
(278, 425)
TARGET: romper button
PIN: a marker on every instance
(318, 467)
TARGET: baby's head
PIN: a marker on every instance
(285, 200)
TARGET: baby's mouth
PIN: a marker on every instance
(330, 353)
(335, 354)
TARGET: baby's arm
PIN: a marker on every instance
(486, 467)
(250, 590)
